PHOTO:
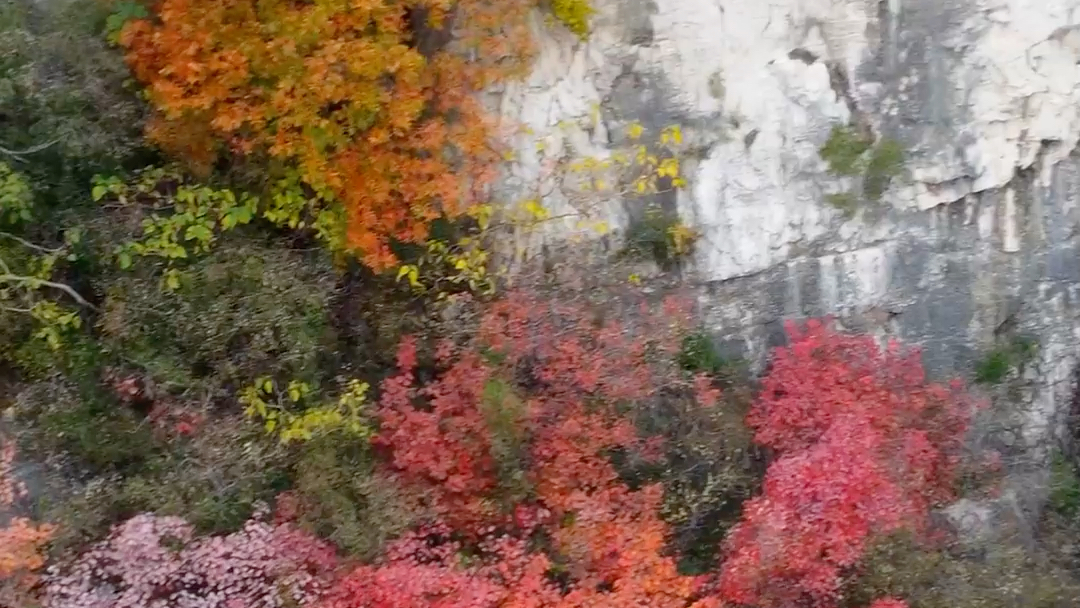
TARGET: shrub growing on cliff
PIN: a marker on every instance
(844, 150)
(996, 364)
(852, 152)
(864, 446)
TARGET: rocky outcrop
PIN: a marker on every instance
(973, 242)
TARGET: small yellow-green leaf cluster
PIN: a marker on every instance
(15, 197)
(651, 167)
(681, 238)
(463, 263)
(274, 408)
(460, 263)
(180, 223)
(54, 322)
(643, 165)
(185, 219)
(574, 14)
(295, 205)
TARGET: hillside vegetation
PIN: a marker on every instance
(257, 350)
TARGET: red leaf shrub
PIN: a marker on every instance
(548, 375)
(151, 562)
(509, 441)
(446, 447)
(500, 572)
(419, 574)
(864, 445)
(546, 387)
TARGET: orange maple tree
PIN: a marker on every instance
(352, 93)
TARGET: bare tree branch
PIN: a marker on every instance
(27, 243)
(36, 281)
(18, 154)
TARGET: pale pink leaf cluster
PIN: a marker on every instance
(156, 562)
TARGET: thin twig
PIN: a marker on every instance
(18, 154)
(64, 288)
(27, 243)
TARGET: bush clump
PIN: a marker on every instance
(244, 311)
(574, 14)
(850, 152)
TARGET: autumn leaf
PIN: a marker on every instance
(395, 138)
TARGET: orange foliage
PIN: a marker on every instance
(20, 546)
(341, 90)
(21, 541)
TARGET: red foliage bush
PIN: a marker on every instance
(558, 377)
(865, 446)
(418, 574)
(553, 375)
(445, 447)
(500, 572)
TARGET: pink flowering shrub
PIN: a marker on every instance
(155, 562)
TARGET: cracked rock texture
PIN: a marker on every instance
(974, 242)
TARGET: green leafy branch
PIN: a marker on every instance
(125, 11)
(26, 268)
(184, 219)
(275, 407)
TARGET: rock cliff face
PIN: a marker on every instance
(975, 240)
